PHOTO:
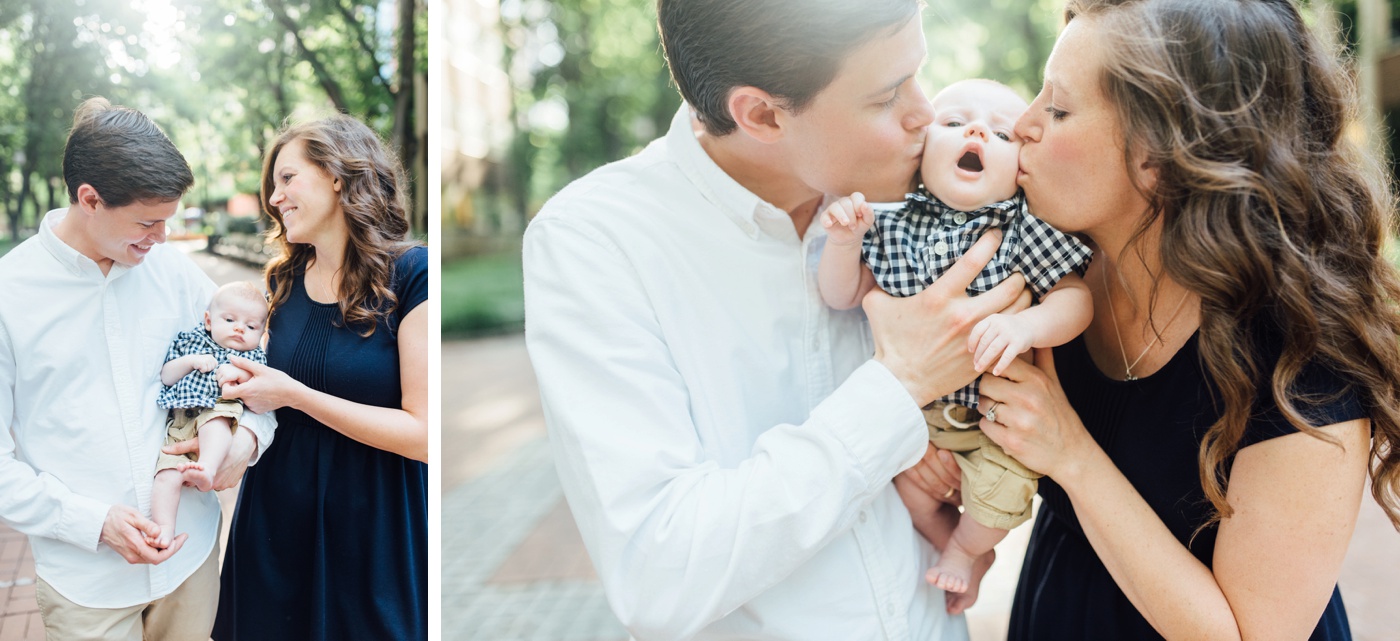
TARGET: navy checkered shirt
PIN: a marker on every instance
(199, 389)
(909, 247)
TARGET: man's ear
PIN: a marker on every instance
(88, 198)
(756, 113)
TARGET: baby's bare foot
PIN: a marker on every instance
(947, 579)
(953, 571)
(957, 602)
(162, 540)
(194, 475)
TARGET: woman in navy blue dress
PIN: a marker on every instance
(329, 539)
(1207, 440)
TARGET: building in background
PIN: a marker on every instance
(476, 124)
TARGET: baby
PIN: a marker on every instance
(969, 170)
(233, 324)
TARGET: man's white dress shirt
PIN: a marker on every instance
(80, 359)
(723, 438)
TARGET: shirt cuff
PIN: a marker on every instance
(262, 426)
(80, 522)
(881, 426)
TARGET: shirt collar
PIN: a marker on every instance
(736, 201)
(994, 215)
(71, 259)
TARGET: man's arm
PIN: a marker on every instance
(35, 503)
(680, 540)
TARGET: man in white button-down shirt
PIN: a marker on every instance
(87, 308)
(725, 440)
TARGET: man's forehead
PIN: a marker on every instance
(883, 63)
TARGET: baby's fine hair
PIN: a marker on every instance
(247, 290)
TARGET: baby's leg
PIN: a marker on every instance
(214, 440)
(165, 504)
(970, 540)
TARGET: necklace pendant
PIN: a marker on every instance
(1130, 377)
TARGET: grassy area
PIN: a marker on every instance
(482, 295)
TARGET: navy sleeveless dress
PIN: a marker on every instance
(330, 537)
(1151, 428)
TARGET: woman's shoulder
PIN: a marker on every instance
(1321, 392)
(411, 260)
(410, 278)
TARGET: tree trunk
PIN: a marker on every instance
(53, 192)
(404, 136)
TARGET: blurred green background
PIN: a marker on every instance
(540, 92)
(219, 76)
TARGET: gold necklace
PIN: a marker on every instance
(1156, 336)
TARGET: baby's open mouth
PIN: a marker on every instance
(970, 161)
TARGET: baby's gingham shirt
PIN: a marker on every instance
(199, 389)
(907, 248)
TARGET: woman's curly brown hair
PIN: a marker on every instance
(374, 200)
(1269, 213)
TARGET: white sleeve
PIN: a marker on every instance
(678, 540)
(38, 504)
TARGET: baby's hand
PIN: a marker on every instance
(232, 374)
(999, 334)
(847, 220)
(205, 363)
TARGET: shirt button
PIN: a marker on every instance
(940, 248)
(889, 609)
(959, 218)
(863, 517)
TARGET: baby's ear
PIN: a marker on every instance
(206, 319)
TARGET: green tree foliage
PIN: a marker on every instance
(591, 85)
(220, 76)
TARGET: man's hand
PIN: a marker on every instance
(923, 339)
(126, 530)
(240, 452)
(847, 220)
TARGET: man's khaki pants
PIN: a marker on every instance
(187, 614)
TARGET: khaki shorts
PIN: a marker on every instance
(186, 614)
(183, 425)
(996, 488)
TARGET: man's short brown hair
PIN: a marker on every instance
(123, 155)
(791, 49)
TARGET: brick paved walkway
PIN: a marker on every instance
(514, 568)
(19, 614)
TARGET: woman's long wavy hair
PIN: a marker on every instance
(1269, 212)
(374, 199)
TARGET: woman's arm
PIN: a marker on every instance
(401, 431)
(1276, 558)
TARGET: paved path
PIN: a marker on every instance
(514, 567)
(19, 614)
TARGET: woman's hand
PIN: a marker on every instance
(1033, 420)
(267, 389)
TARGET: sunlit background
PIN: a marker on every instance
(540, 92)
(219, 76)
